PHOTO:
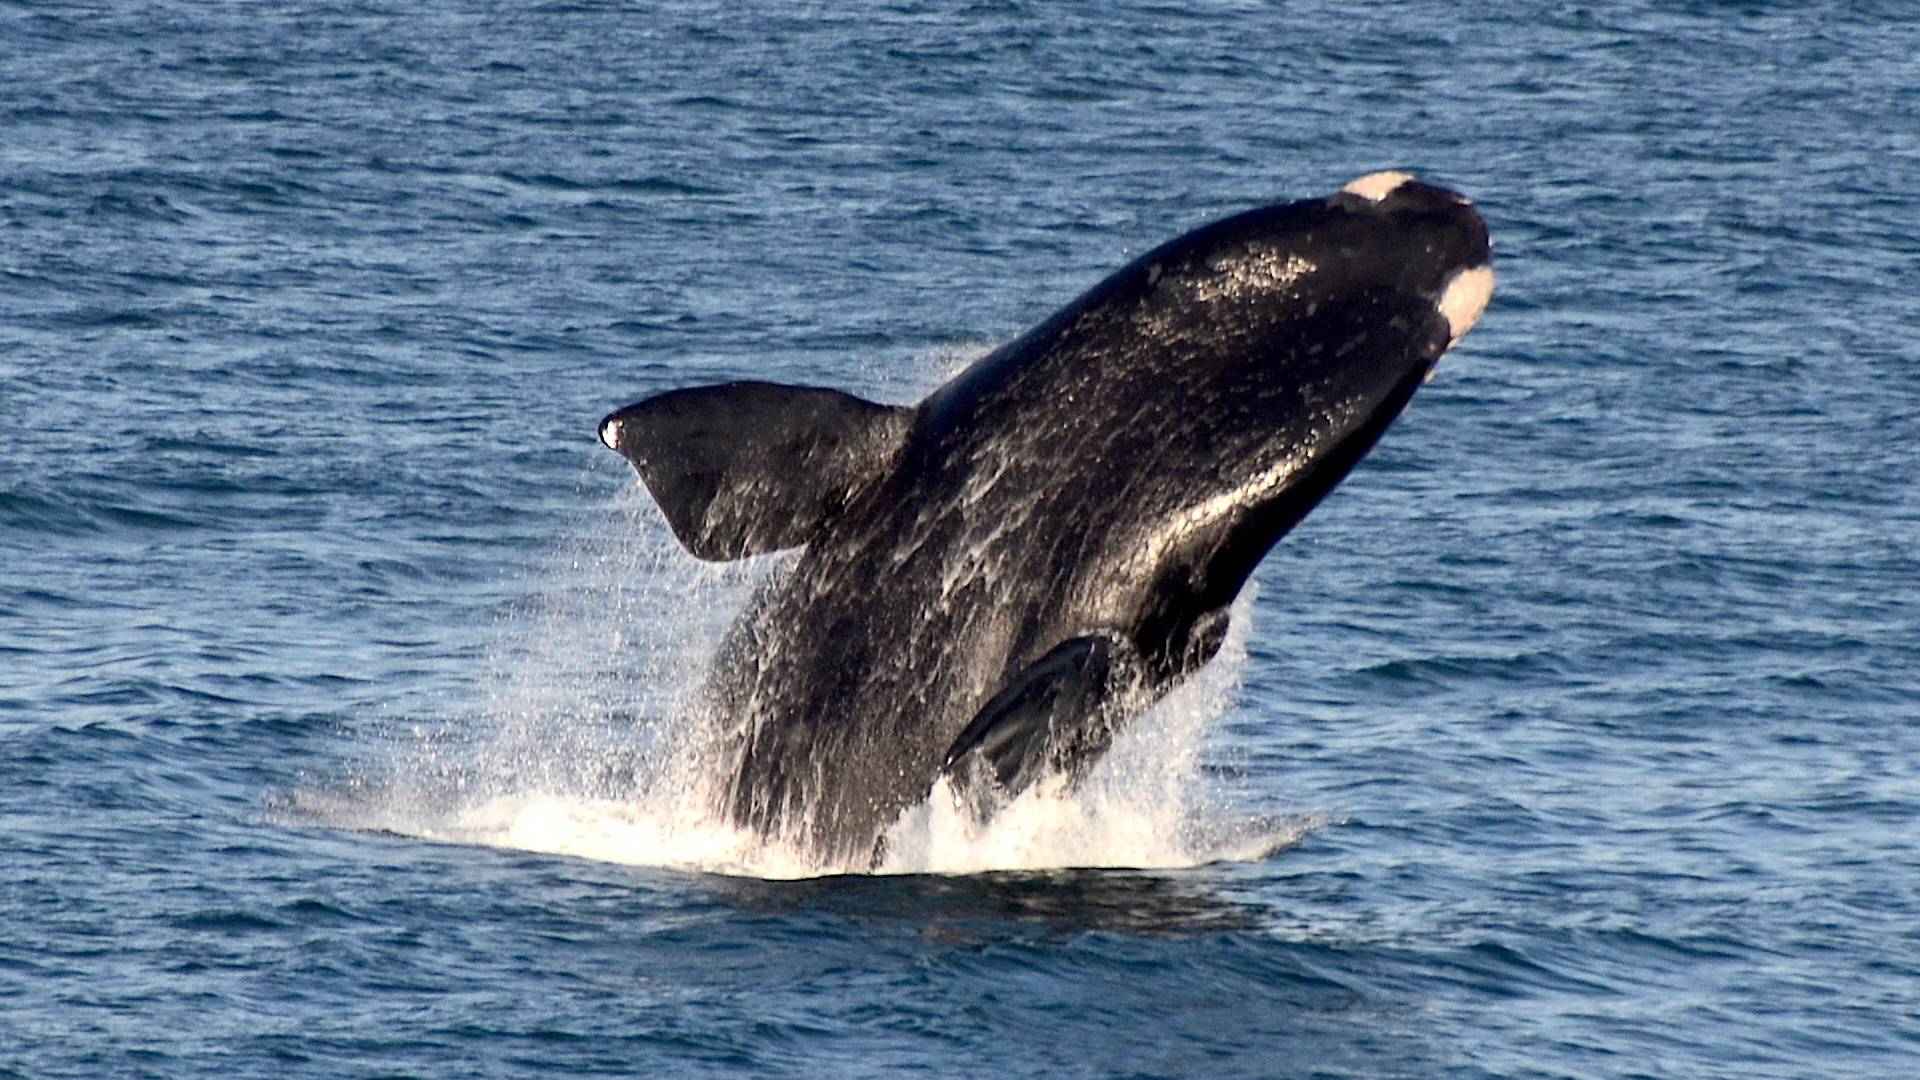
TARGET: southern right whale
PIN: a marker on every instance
(999, 578)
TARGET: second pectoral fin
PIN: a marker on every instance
(1058, 715)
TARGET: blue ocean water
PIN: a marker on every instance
(1576, 735)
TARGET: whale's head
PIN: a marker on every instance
(1344, 296)
(1387, 273)
(1276, 346)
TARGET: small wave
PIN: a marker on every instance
(100, 318)
(82, 513)
(202, 442)
(644, 185)
(660, 185)
(29, 511)
(704, 101)
(144, 207)
(1432, 671)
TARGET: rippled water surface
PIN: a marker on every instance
(1575, 736)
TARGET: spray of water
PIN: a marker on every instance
(587, 742)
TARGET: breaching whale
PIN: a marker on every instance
(996, 580)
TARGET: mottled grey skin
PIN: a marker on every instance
(1112, 476)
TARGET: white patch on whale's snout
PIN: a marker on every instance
(1376, 186)
(610, 434)
(1464, 298)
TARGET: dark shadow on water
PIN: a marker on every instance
(1062, 901)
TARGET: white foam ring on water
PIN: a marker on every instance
(587, 745)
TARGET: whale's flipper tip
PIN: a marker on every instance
(1057, 716)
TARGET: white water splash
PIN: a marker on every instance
(1148, 804)
(584, 746)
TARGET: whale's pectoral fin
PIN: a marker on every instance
(1057, 716)
(749, 467)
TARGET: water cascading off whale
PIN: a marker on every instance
(998, 579)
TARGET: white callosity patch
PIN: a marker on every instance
(1464, 298)
(1376, 186)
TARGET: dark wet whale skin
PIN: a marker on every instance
(1113, 475)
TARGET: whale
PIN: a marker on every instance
(994, 582)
